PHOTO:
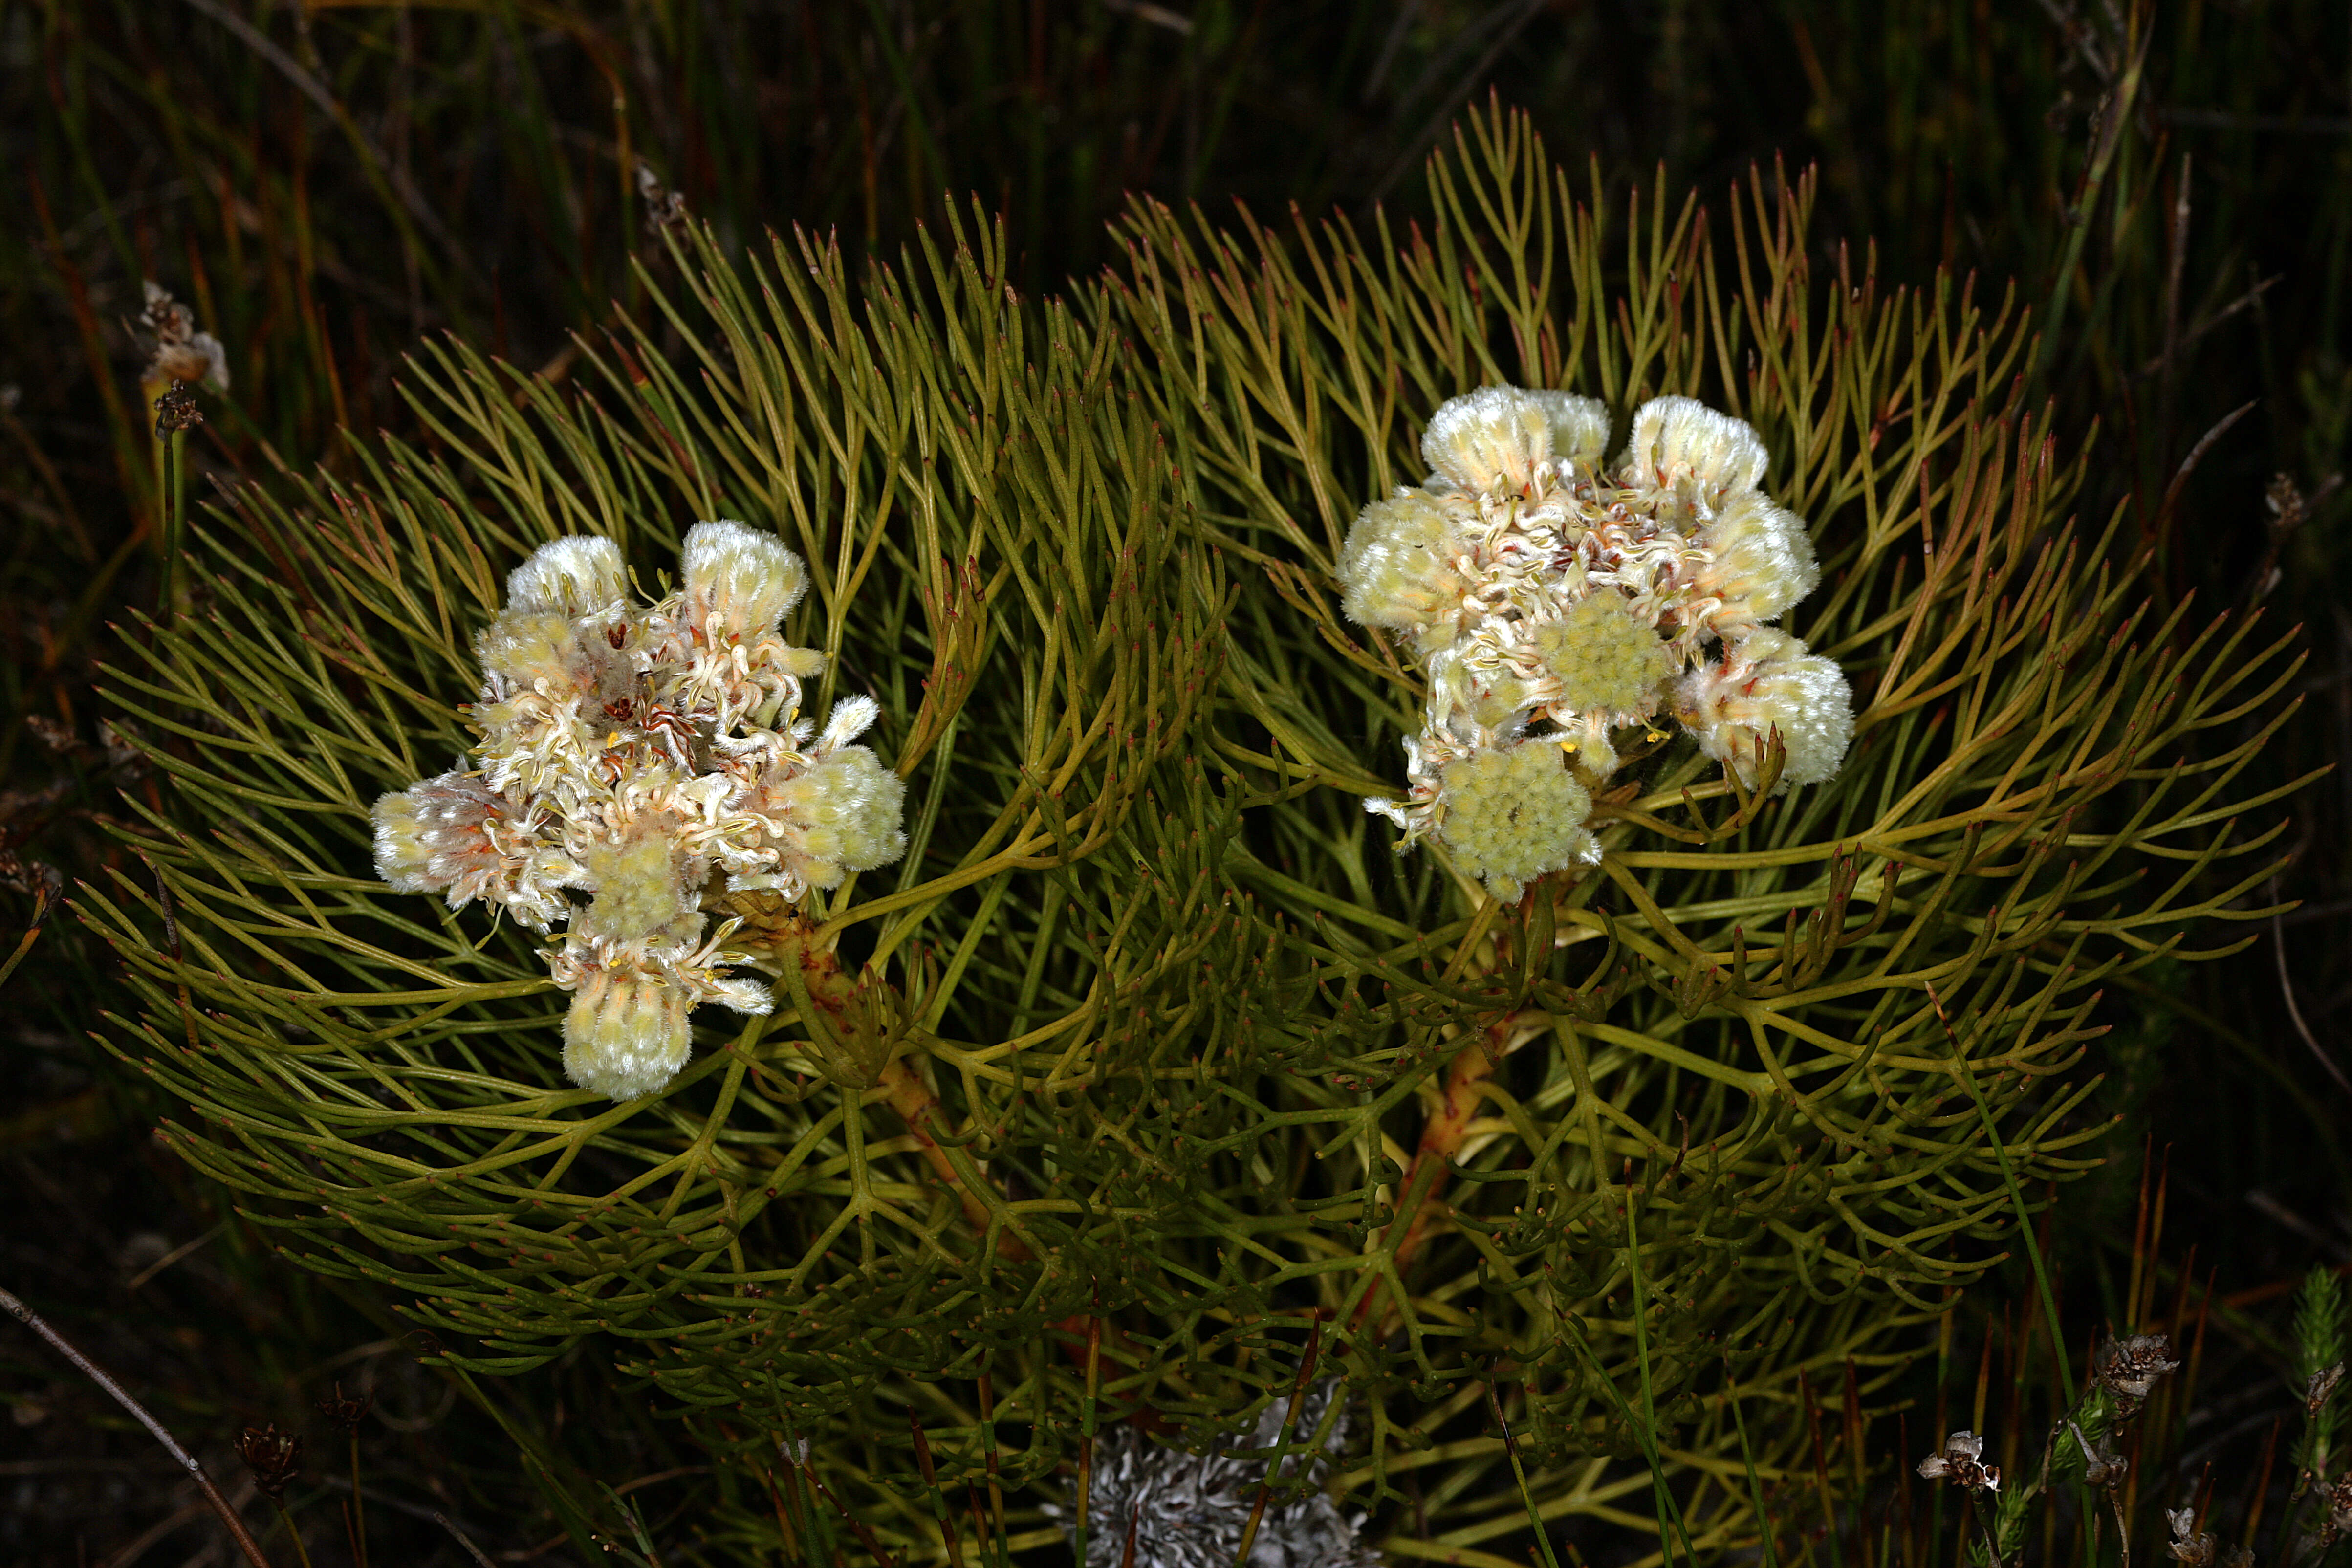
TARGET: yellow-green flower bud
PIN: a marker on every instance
(1513, 813)
(1606, 656)
(1398, 566)
(572, 577)
(625, 1034)
(1763, 562)
(740, 579)
(641, 896)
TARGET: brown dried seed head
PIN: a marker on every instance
(2189, 1544)
(176, 411)
(346, 1414)
(2129, 1368)
(272, 1456)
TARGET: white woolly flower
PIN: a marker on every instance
(1188, 1510)
(1768, 682)
(638, 755)
(575, 575)
(1580, 427)
(1490, 439)
(738, 579)
(1679, 444)
(457, 836)
(1759, 562)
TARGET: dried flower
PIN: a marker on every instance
(646, 756)
(1554, 603)
(176, 411)
(1958, 1461)
(272, 1456)
(2189, 1544)
(2323, 1383)
(1186, 1511)
(345, 1415)
(2102, 1466)
(665, 208)
(2128, 1368)
(176, 351)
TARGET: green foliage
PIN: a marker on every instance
(1150, 1054)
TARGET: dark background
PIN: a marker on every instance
(2172, 182)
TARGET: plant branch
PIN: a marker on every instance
(122, 1395)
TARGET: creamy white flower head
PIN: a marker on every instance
(740, 579)
(1402, 566)
(625, 1034)
(1552, 606)
(1769, 681)
(1490, 439)
(1680, 444)
(641, 755)
(575, 575)
(1580, 427)
(1761, 561)
(455, 836)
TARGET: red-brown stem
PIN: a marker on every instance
(1419, 1200)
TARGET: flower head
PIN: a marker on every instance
(178, 352)
(1960, 1462)
(1767, 684)
(1489, 441)
(1579, 428)
(1603, 655)
(1759, 562)
(646, 757)
(738, 580)
(2189, 1543)
(1552, 602)
(273, 1458)
(1682, 446)
(1511, 815)
(1402, 565)
(2130, 1368)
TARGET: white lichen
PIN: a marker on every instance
(1187, 1510)
(1555, 601)
(633, 759)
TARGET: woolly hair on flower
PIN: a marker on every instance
(644, 757)
(1768, 682)
(1554, 603)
